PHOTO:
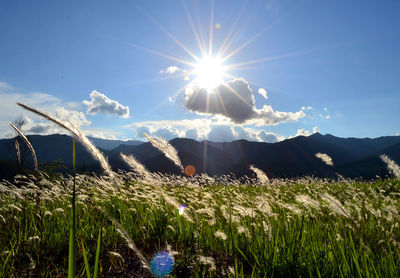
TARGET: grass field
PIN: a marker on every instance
(225, 228)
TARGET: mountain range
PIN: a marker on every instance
(295, 157)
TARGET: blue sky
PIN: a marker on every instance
(331, 66)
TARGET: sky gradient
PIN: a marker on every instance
(118, 69)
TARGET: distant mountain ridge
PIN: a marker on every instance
(295, 157)
(109, 144)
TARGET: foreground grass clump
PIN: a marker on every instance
(287, 228)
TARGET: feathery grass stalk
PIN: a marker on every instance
(28, 144)
(166, 148)
(261, 176)
(78, 134)
(391, 165)
(325, 158)
(71, 255)
(127, 238)
(17, 149)
(137, 166)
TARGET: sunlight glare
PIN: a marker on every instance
(209, 72)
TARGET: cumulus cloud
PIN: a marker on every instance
(263, 92)
(170, 70)
(269, 137)
(75, 118)
(166, 133)
(10, 111)
(78, 119)
(221, 133)
(36, 125)
(203, 129)
(54, 106)
(305, 132)
(100, 103)
(235, 101)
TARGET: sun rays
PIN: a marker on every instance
(209, 66)
(210, 63)
(209, 73)
(206, 69)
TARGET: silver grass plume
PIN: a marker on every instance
(136, 165)
(261, 176)
(75, 131)
(391, 165)
(17, 149)
(127, 238)
(325, 158)
(166, 148)
(28, 144)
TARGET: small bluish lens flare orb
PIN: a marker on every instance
(181, 209)
(161, 264)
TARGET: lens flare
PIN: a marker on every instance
(161, 264)
(190, 170)
(181, 209)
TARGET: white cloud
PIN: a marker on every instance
(10, 111)
(100, 103)
(6, 86)
(75, 118)
(221, 133)
(203, 129)
(305, 132)
(235, 101)
(263, 92)
(170, 70)
(49, 104)
(37, 125)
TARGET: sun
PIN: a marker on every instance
(209, 72)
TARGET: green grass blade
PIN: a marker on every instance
(96, 263)
(71, 255)
(85, 259)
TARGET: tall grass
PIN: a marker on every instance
(391, 165)
(261, 176)
(19, 132)
(166, 148)
(78, 134)
(72, 231)
(292, 228)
